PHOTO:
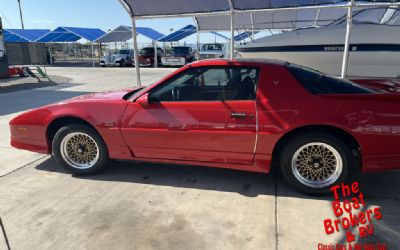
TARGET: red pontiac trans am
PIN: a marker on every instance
(239, 114)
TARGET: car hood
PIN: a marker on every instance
(109, 95)
(177, 55)
(118, 56)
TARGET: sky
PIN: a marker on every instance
(104, 14)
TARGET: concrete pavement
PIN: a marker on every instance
(156, 206)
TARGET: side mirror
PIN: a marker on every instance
(143, 100)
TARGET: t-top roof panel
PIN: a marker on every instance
(179, 34)
(71, 34)
(123, 33)
(23, 35)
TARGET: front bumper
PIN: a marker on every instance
(114, 64)
(30, 147)
(210, 56)
(31, 138)
(173, 61)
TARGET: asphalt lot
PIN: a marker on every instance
(155, 206)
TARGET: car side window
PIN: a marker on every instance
(209, 84)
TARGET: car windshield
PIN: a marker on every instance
(124, 51)
(212, 46)
(180, 50)
(369, 16)
(320, 83)
(146, 51)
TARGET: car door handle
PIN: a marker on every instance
(238, 115)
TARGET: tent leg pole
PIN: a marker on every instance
(197, 44)
(76, 57)
(155, 54)
(252, 26)
(92, 56)
(51, 56)
(232, 41)
(136, 52)
(345, 62)
(100, 51)
(63, 52)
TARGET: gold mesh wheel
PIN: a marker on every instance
(317, 165)
(79, 150)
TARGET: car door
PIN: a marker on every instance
(198, 115)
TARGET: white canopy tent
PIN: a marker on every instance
(247, 14)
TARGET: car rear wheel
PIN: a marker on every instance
(79, 149)
(314, 162)
(122, 63)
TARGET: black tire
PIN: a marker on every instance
(122, 63)
(286, 157)
(99, 164)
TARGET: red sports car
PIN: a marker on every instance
(238, 114)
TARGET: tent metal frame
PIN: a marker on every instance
(70, 31)
(153, 40)
(232, 11)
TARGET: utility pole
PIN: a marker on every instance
(20, 14)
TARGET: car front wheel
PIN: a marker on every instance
(314, 162)
(79, 149)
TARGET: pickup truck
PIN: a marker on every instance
(179, 56)
(212, 50)
(146, 56)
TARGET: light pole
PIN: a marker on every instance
(20, 13)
